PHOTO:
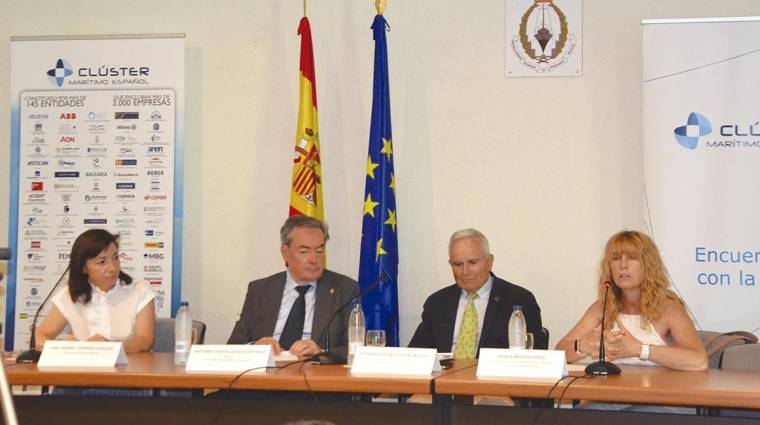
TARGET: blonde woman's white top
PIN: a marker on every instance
(111, 314)
(647, 335)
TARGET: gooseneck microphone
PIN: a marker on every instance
(32, 355)
(326, 357)
(602, 367)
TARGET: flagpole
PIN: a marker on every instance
(379, 5)
(304, 7)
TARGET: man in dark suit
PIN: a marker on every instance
(490, 302)
(290, 310)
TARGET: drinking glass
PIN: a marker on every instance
(529, 340)
(376, 338)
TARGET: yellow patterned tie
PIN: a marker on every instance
(467, 331)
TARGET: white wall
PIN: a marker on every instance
(548, 168)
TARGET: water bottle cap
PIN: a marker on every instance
(517, 307)
(184, 304)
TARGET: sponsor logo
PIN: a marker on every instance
(64, 256)
(122, 139)
(67, 129)
(38, 116)
(155, 149)
(33, 291)
(67, 150)
(97, 116)
(34, 257)
(154, 245)
(155, 115)
(129, 174)
(36, 197)
(155, 138)
(97, 129)
(38, 140)
(155, 162)
(95, 198)
(97, 150)
(153, 210)
(38, 186)
(123, 256)
(153, 268)
(697, 125)
(125, 222)
(96, 174)
(68, 116)
(38, 127)
(125, 196)
(126, 162)
(156, 126)
(154, 197)
(36, 268)
(155, 173)
(126, 115)
(64, 186)
(36, 163)
(153, 256)
(155, 282)
(121, 186)
(155, 186)
(126, 151)
(126, 127)
(66, 174)
(58, 74)
(95, 221)
(37, 244)
(66, 164)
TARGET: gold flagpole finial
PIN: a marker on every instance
(380, 6)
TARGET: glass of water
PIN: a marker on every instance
(376, 338)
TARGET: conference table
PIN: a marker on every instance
(276, 396)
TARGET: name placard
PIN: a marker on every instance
(395, 361)
(229, 358)
(528, 364)
(87, 354)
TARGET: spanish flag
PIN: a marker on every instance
(306, 186)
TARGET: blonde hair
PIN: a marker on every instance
(654, 284)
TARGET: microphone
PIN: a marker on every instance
(602, 367)
(32, 355)
(5, 254)
(326, 357)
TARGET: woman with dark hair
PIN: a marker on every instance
(101, 302)
(645, 323)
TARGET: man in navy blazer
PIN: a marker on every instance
(269, 301)
(471, 263)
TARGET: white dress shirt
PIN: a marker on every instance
(289, 296)
(481, 303)
(111, 314)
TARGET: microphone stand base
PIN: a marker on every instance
(31, 356)
(326, 357)
(602, 368)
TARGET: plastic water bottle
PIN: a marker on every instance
(183, 333)
(356, 330)
(517, 329)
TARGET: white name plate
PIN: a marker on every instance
(82, 354)
(530, 364)
(229, 358)
(395, 361)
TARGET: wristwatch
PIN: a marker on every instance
(644, 355)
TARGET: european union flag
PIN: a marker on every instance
(379, 252)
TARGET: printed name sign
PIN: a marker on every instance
(229, 358)
(82, 354)
(395, 361)
(530, 364)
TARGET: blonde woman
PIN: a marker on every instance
(646, 323)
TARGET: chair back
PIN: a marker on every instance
(163, 339)
(716, 343)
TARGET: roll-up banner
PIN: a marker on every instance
(701, 118)
(96, 142)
